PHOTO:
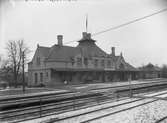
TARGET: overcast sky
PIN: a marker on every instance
(40, 22)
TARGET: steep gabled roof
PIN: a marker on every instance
(89, 48)
(62, 53)
(130, 67)
(86, 48)
(150, 67)
(44, 50)
(122, 65)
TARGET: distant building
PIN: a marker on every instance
(85, 63)
(150, 71)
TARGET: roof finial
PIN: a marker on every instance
(86, 22)
(121, 54)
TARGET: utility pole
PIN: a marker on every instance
(130, 86)
(23, 71)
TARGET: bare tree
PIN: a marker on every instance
(1, 61)
(15, 50)
(5, 71)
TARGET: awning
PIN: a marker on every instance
(90, 69)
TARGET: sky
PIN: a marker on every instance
(40, 21)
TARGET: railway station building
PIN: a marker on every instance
(85, 63)
(150, 71)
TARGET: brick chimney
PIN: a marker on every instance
(113, 51)
(86, 35)
(60, 40)
(121, 54)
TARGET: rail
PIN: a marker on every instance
(55, 104)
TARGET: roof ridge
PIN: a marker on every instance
(64, 46)
(43, 47)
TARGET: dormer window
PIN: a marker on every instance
(86, 61)
(121, 66)
(72, 61)
(109, 63)
(96, 62)
(102, 63)
(79, 61)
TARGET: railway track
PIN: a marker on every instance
(31, 107)
(119, 107)
(49, 95)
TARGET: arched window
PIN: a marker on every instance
(96, 62)
(72, 60)
(41, 77)
(38, 61)
(79, 61)
(121, 66)
(86, 61)
(36, 78)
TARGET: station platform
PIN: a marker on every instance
(7, 93)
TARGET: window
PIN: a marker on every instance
(41, 77)
(38, 61)
(102, 63)
(86, 61)
(121, 66)
(96, 62)
(96, 76)
(36, 78)
(109, 63)
(79, 62)
(72, 61)
(47, 74)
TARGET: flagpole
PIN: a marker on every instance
(86, 22)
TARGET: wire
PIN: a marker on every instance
(124, 24)
(130, 22)
(72, 41)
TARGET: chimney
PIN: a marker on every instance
(113, 51)
(86, 35)
(121, 54)
(37, 45)
(60, 40)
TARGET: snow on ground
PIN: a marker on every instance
(153, 94)
(102, 112)
(144, 114)
(71, 113)
(162, 96)
(128, 115)
(148, 113)
(164, 121)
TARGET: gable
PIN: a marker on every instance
(41, 52)
(122, 65)
(62, 53)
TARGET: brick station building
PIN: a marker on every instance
(150, 71)
(85, 63)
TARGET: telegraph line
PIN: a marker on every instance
(130, 22)
(125, 24)
(71, 41)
